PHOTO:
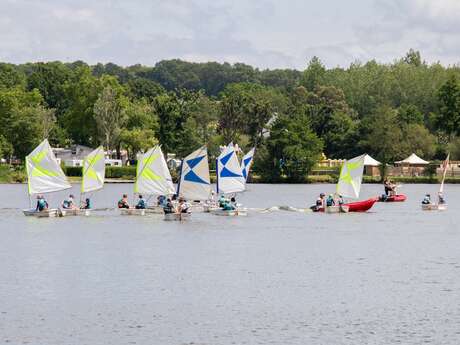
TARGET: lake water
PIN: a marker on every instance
(388, 276)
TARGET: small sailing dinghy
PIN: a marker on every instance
(194, 182)
(93, 176)
(441, 204)
(152, 179)
(230, 180)
(349, 186)
(44, 175)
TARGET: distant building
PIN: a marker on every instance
(72, 156)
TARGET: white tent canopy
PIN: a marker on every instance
(369, 161)
(413, 159)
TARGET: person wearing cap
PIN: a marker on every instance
(426, 200)
(68, 203)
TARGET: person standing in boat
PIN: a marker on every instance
(123, 202)
(42, 204)
(141, 204)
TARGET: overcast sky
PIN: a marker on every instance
(263, 33)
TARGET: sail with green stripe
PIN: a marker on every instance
(44, 172)
(351, 175)
(93, 171)
(153, 176)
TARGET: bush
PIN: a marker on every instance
(120, 172)
(73, 171)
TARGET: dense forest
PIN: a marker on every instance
(386, 110)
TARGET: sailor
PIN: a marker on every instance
(161, 200)
(319, 203)
(340, 200)
(330, 200)
(68, 203)
(227, 206)
(426, 200)
(141, 204)
(123, 202)
(183, 206)
(233, 203)
(222, 201)
(168, 207)
(42, 204)
(441, 200)
(86, 205)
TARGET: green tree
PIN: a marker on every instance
(314, 75)
(448, 117)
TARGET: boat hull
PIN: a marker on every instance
(74, 212)
(337, 209)
(177, 217)
(50, 213)
(154, 210)
(434, 207)
(228, 213)
(361, 206)
(132, 212)
(394, 198)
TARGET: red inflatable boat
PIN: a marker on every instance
(361, 206)
(394, 198)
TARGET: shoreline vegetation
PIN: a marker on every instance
(293, 118)
(10, 175)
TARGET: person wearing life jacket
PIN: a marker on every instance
(426, 200)
(86, 205)
(68, 203)
(330, 200)
(161, 200)
(222, 201)
(141, 204)
(168, 207)
(123, 202)
(227, 206)
(42, 204)
(183, 206)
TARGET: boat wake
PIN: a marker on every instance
(280, 208)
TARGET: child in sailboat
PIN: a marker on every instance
(123, 202)
(42, 204)
(68, 203)
(441, 199)
(426, 200)
(86, 205)
(169, 208)
(141, 204)
(330, 200)
(183, 206)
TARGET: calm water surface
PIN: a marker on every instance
(390, 276)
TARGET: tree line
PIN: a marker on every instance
(292, 117)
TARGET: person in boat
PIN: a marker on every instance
(340, 200)
(169, 208)
(86, 205)
(42, 204)
(123, 202)
(222, 200)
(141, 204)
(69, 203)
(234, 203)
(441, 200)
(184, 206)
(228, 206)
(319, 203)
(330, 200)
(161, 200)
(426, 200)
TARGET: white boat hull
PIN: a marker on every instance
(228, 213)
(170, 217)
(52, 212)
(74, 212)
(154, 210)
(336, 209)
(132, 212)
(434, 207)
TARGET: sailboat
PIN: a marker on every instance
(152, 178)
(349, 186)
(246, 163)
(439, 206)
(93, 177)
(230, 179)
(44, 176)
(194, 182)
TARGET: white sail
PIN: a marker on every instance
(351, 175)
(44, 172)
(230, 177)
(194, 181)
(247, 162)
(445, 166)
(93, 171)
(153, 176)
